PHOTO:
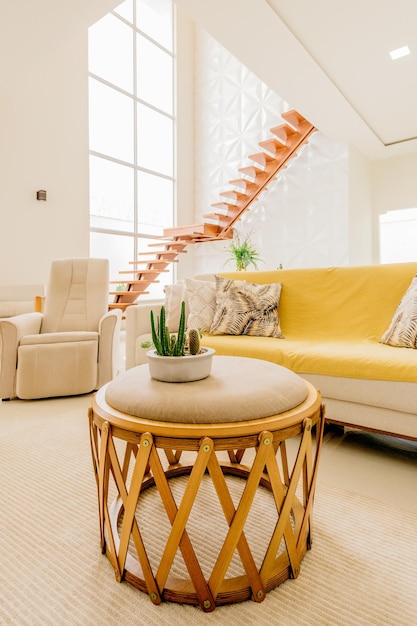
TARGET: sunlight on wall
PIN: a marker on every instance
(398, 236)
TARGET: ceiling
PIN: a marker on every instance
(350, 43)
(329, 60)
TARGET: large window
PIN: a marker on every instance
(398, 236)
(132, 123)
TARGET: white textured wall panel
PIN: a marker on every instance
(302, 219)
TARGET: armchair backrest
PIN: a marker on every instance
(77, 295)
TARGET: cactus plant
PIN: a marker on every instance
(194, 341)
(180, 344)
(166, 344)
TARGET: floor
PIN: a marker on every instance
(381, 467)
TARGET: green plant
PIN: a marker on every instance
(244, 253)
(194, 341)
(166, 344)
(173, 344)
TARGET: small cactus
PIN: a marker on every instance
(172, 344)
(179, 345)
(165, 343)
(194, 341)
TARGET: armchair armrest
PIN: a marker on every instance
(138, 323)
(109, 346)
(11, 331)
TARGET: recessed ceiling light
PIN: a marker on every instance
(399, 52)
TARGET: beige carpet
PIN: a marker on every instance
(362, 569)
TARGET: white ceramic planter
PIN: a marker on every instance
(180, 369)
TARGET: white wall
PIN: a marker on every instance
(394, 183)
(394, 187)
(43, 134)
(362, 230)
(302, 219)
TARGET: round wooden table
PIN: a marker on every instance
(251, 420)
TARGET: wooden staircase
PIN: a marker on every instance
(276, 152)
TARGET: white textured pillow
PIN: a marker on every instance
(246, 309)
(140, 353)
(402, 332)
(201, 296)
(174, 295)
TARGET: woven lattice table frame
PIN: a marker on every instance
(132, 455)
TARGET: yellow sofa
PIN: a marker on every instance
(332, 320)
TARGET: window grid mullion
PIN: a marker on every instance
(136, 101)
(135, 138)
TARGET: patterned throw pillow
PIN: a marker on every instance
(246, 309)
(201, 296)
(174, 295)
(402, 332)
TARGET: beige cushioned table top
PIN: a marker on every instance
(237, 389)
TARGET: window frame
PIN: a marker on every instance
(138, 233)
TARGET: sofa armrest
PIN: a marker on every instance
(19, 299)
(39, 304)
(11, 331)
(138, 323)
(109, 346)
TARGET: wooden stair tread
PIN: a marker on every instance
(193, 230)
(220, 207)
(234, 196)
(226, 235)
(223, 206)
(132, 281)
(142, 271)
(261, 158)
(156, 253)
(123, 305)
(230, 210)
(217, 218)
(246, 185)
(170, 244)
(293, 119)
(251, 171)
(140, 282)
(154, 261)
(283, 132)
(274, 148)
(121, 293)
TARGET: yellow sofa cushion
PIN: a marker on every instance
(364, 359)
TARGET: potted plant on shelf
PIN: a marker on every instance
(177, 357)
(243, 253)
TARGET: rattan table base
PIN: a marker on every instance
(132, 456)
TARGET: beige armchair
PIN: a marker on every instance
(73, 346)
